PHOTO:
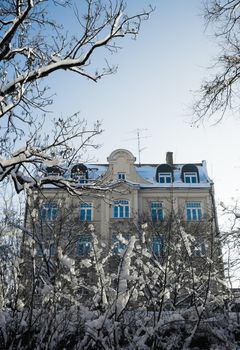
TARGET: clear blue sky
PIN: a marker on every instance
(153, 90)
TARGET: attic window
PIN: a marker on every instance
(53, 171)
(165, 178)
(190, 178)
(190, 174)
(80, 173)
(121, 176)
(164, 174)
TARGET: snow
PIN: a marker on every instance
(66, 261)
(146, 172)
(51, 163)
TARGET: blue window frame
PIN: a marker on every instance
(190, 177)
(83, 245)
(46, 249)
(119, 244)
(49, 211)
(158, 244)
(193, 211)
(121, 209)
(165, 178)
(121, 176)
(200, 249)
(157, 211)
(81, 178)
(86, 212)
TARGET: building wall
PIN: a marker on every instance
(140, 187)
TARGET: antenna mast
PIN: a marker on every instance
(139, 137)
(139, 150)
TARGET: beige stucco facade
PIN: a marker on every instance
(140, 187)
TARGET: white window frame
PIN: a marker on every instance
(190, 175)
(121, 176)
(165, 176)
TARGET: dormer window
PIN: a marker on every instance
(81, 178)
(121, 176)
(190, 178)
(54, 171)
(80, 173)
(165, 178)
(190, 174)
(164, 174)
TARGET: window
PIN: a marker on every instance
(83, 245)
(86, 212)
(49, 211)
(190, 178)
(157, 244)
(165, 178)
(79, 173)
(200, 249)
(81, 178)
(157, 211)
(46, 249)
(121, 176)
(53, 171)
(193, 211)
(121, 209)
(164, 174)
(119, 242)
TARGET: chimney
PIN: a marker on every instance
(169, 158)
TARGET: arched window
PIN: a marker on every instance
(164, 174)
(121, 209)
(79, 172)
(190, 174)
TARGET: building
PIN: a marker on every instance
(168, 207)
(119, 196)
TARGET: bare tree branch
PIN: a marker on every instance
(32, 47)
(221, 92)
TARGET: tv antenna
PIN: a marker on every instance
(139, 138)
